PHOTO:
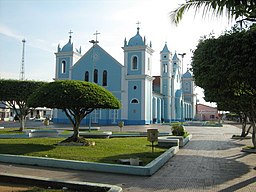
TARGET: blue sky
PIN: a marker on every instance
(46, 23)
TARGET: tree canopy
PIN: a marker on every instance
(225, 68)
(241, 10)
(76, 98)
(15, 93)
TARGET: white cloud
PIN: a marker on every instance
(30, 41)
(10, 33)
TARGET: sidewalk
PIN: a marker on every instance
(211, 161)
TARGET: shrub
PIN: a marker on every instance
(178, 130)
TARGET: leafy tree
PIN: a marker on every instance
(225, 68)
(14, 94)
(237, 106)
(76, 98)
(241, 10)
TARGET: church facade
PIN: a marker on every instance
(145, 99)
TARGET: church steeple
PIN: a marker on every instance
(138, 84)
(166, 82)
(65, 58)
(69, 46)
(165, 49)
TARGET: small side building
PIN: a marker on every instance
(206, 113)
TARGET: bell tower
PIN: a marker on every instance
(138, 80)
(66, 57)
(166, 81)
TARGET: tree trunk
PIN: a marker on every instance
(254, 134)
(22, 120)
(248, 130)
(76, 131)
(243, 126)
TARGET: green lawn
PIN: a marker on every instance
(105, 150)
(16, 130)
(10, 131)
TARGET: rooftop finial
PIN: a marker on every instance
(95, 41)
(96, 34)
(138, 26)
(70, 33)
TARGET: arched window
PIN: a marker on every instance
(86, 76)
(134, 63)
(148, 63)
(134, 101)
(95, 76)
(105, 78)
(63, 67)
(165, 68)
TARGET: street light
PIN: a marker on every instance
(92, 77)
(182, 57)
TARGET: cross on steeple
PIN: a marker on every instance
(70, 32)
(96, 35)
(138, 27)
(138, 24)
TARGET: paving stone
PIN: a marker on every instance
(211, 161)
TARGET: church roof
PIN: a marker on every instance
(96, 55)
(175, 57)
(165, 49)
(187, 74)
(136, 40)
(68, 47)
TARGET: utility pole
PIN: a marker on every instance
(22, 70)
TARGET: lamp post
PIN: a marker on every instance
(92, 78)
(182, 57)
(93, 67)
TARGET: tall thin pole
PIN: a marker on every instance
(182, 57)
(93, 67)
(22, 69)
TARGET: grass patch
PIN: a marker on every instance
(16, 130)
(186, 134)
(10, 131)
(249, 147)
(105, 150)
(38, 189)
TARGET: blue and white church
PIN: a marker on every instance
(145, 98)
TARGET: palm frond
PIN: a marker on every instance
(217, 7)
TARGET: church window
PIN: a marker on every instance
(135, 101)
(63, 67)
(165, 68)
(186, 86)
(165, 56)
(134, 63)
(105, 77)
(148, 63)
(86, 76)
(95, 76)
(135, 87)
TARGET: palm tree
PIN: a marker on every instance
(241, 10)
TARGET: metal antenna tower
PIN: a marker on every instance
(22, 70)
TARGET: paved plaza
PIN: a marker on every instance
(211, 161)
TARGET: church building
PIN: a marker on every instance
(145, 98)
